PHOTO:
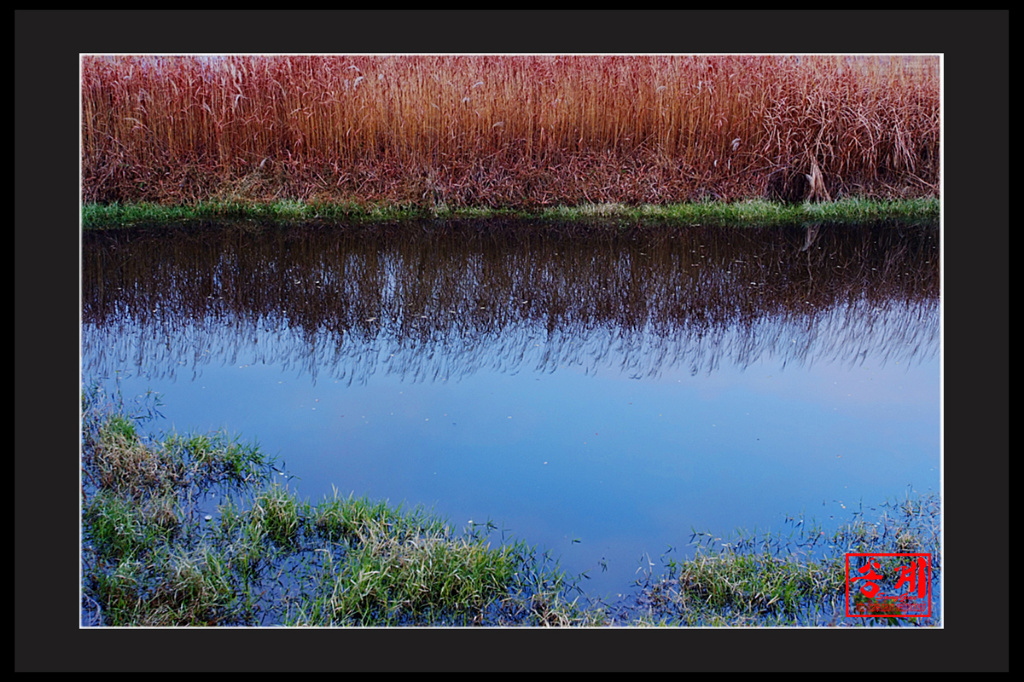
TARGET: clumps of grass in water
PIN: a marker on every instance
(145, 561)
(799, 580)
(168, 588)
(152, 557)
(729, 588)
(356, 562)
(394, 575)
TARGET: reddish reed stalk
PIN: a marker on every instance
(506, 130)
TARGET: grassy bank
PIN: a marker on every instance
(753, 213)
(198, 530)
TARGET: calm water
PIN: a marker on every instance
(600, 395)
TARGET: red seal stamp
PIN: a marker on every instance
(888, 585)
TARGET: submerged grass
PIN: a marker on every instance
(190, 531)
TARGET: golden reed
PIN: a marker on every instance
(508, 130)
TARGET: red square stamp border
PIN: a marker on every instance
(904, 600)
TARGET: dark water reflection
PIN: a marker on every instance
(367, 310)
(451, 301)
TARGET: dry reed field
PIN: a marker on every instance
(507, 131)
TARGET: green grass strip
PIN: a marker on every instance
(751, 213)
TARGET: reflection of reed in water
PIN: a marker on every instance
(452, 301)
(811, 236)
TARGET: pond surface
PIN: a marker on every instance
(601, 394)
